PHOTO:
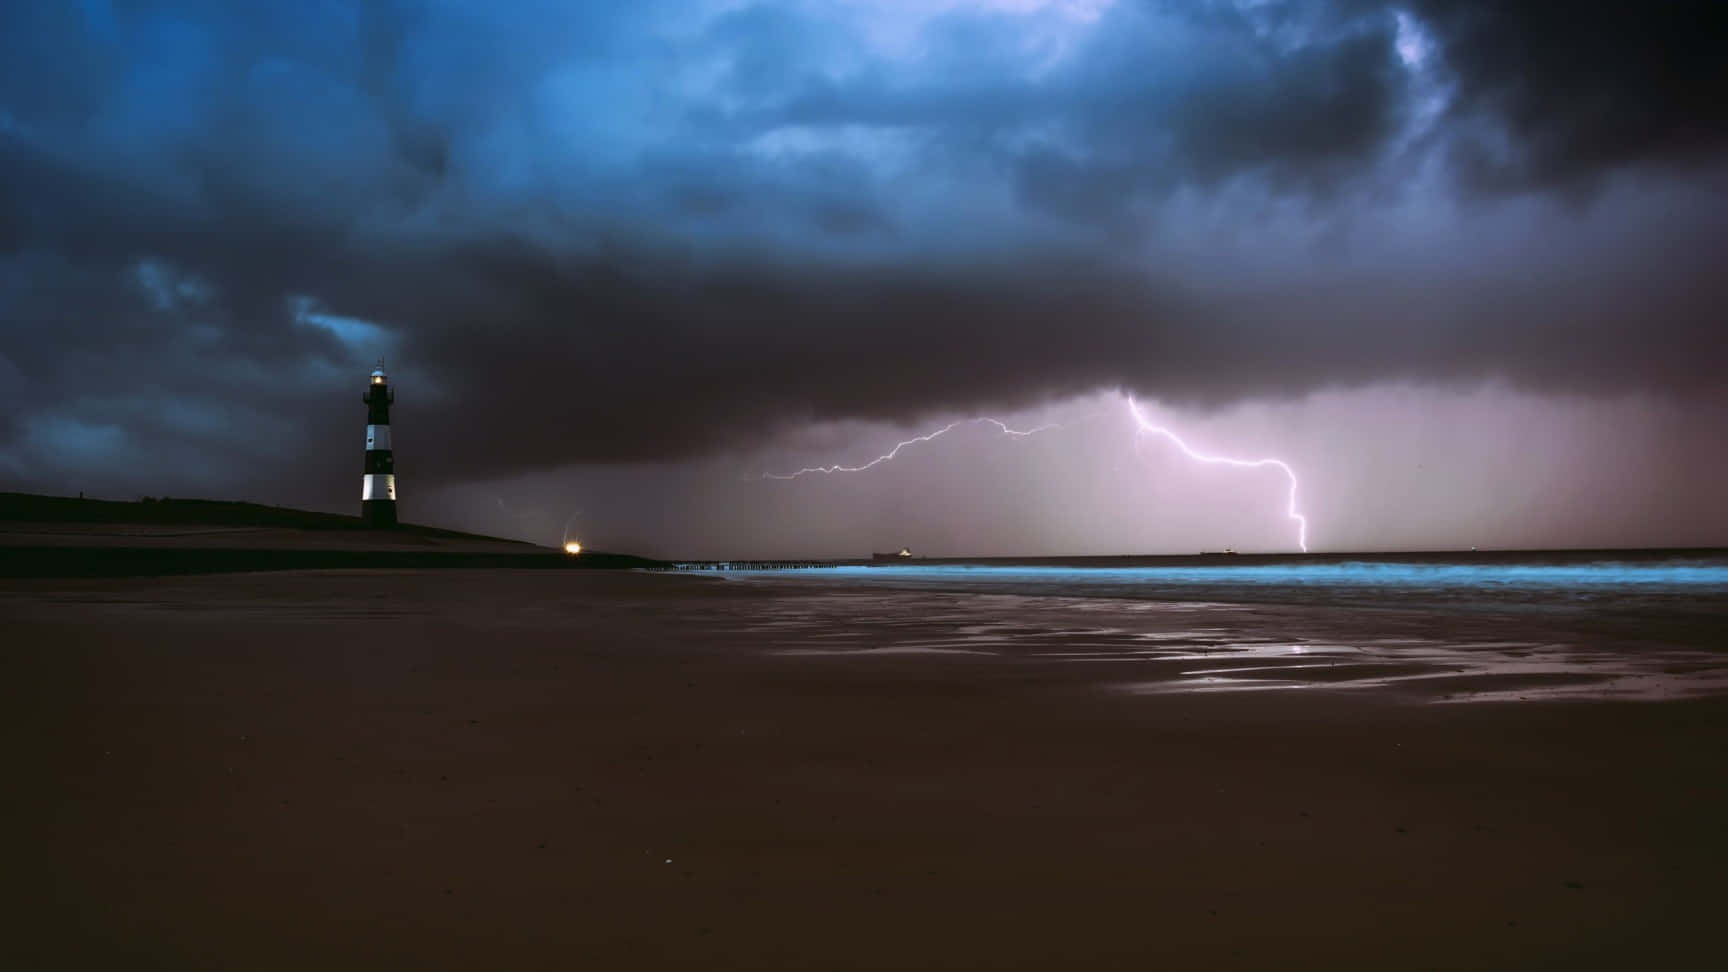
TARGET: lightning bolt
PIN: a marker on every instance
(1144, 425)
(915, 440)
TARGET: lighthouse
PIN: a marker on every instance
(378, 487)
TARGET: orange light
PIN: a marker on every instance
(572, 548)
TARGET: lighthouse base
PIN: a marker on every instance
(379, 514)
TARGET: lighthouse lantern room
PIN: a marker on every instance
(378, 487)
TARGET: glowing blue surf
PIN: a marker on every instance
(1699, 581)
(1680, 576)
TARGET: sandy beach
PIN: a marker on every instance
(465, 769)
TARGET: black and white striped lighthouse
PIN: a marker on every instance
(378, 488)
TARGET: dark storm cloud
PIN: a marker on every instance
(1578, 87)
(1159, 96)
(603, 232)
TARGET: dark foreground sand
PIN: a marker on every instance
(527, 770)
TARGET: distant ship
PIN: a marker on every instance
(905, 553)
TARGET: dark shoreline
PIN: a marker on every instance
(63, 536)
(104, 561)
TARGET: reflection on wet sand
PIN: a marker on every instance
(1155, 647)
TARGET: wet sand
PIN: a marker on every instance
(520, 769)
